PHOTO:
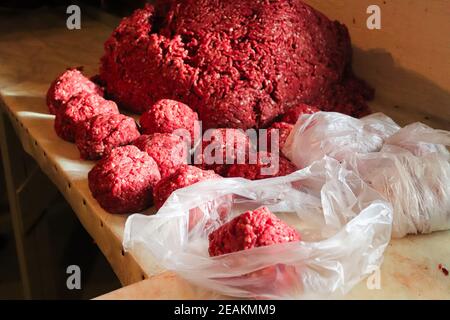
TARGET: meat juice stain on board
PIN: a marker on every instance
(443, 269)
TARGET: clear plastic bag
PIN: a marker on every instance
(413, 173)
(336, 135)
(410, 167)
(345, 227)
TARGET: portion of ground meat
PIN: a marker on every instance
(292, 115)
(166, 116)
(345, 96)
(123, 181)
(79, 109)
(168, 150)
(100, 134)
(238, 63)
(251, 229)
(254, 171)
(284, 130)
(183, 177)
(222, 147)
(69, 84)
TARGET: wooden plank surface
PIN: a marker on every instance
(38, 47)
(161, 287)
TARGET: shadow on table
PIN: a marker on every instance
(401, 92)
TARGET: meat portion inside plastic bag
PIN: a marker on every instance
(252, 229)
(414, 175)
(409, 166)
(345, 227)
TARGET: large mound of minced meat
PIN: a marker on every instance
(239, 63)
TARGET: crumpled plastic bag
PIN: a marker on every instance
(336, 135)
(345, 227)
(409, 166)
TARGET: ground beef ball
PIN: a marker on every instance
(183, 177)
(239, 63)
(275, 168)
(251, 229)
(100, 134)
(292, 115)
(166, 116)
(221, 148)
(69, 84)
(123, 181)
(81, 108)
(169, 151)
(284, 130)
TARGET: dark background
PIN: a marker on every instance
(71, 244)
(118, 7)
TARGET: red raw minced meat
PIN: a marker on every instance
(251, 229)
(183, 177)
(69, 84)
(221, 148)
(100, 134)
(292, 115)
(81, 108)
(239, 63)
(166, 116)
(123, 181)
(340, 98)
(253, 171)
(284, 130)
(169, 151)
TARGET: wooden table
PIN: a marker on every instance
(36, 48)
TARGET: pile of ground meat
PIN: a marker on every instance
(167, 116)
(183, 177)
(283, 129)
(168, 150)
(292, 115)
(78, 109)
(251, 229)
(123, 181)
(69, 84)
(100, 134)
(221, 148)
(285, 126)
(231, 64)
(238, 64)
(273, 168)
